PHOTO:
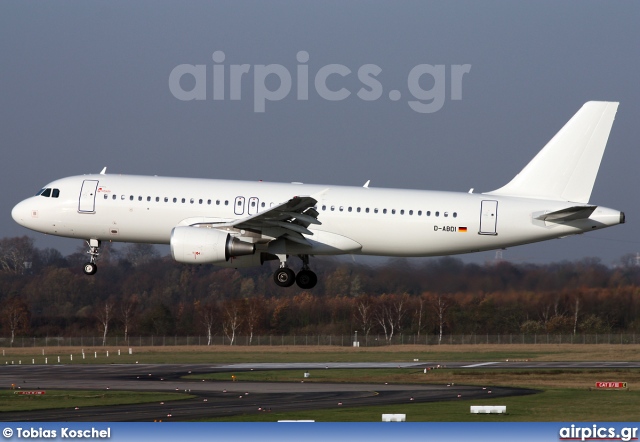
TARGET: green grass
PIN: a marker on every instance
(194, 357)
(554, 405)
(9, 401)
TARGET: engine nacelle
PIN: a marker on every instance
(196, 245)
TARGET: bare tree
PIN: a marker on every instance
(16, 254)
(381, 314)
(208, 313)
(363, 313)
(253, 311)
(419, 314)
(104, 314)
(440, 305)
(16, 317)
(231, 319)
(127, 310)
(575, 315)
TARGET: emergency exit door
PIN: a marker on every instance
(488, 217)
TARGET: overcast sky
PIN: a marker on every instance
(86, 84)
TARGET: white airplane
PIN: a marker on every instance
(242, 224)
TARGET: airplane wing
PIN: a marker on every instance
(289, 220)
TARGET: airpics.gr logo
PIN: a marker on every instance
(274, 82)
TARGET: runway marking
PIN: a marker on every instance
(480, 365)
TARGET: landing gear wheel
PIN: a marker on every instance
(306, 279)
(90, 268)
(284, 277)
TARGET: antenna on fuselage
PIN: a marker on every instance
(103, 171)
(366, 185)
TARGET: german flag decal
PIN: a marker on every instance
(462, 229)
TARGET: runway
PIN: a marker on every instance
(216, 398)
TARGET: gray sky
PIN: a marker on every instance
(85, 85)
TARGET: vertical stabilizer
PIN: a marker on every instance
(566, 168)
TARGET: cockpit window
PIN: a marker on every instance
(49, 192)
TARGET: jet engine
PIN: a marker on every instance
(196, 245)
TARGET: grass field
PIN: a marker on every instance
(399, 353)
(10, 401)
(565, 394)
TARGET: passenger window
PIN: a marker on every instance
(263, 204)
(419, 212)
(139, 198)
(157, 199)
(437, 213)
(166, 199)
(446, 214)
(341, 208)
(217, 202)
(209, 202)
(106, 196)
(384, 211)
(333, 208)
(226, 202)
(349, 209)
(375, 210)
(183, 200)
(393, 211)
(199, 201)
(122, 197)
(191, 200)
(455, 214)
(324, 207)
(175, 200)
(358, 209)
(114, 197)
(366, 210)
(410, 212)
(428, 212)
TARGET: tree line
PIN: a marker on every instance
(138, 291)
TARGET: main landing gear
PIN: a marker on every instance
(91, 267)
(285, 277)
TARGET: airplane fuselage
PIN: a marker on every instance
(359, 220)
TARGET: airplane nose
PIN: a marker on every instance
(21, 213)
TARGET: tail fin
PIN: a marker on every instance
(566, 168)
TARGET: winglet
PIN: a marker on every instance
(103, 171)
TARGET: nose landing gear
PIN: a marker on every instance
(91, 267)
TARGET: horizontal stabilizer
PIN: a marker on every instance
(568, 214)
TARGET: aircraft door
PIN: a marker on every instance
(87, 201)
(253, 205)
(488, 218)
(238, 206)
